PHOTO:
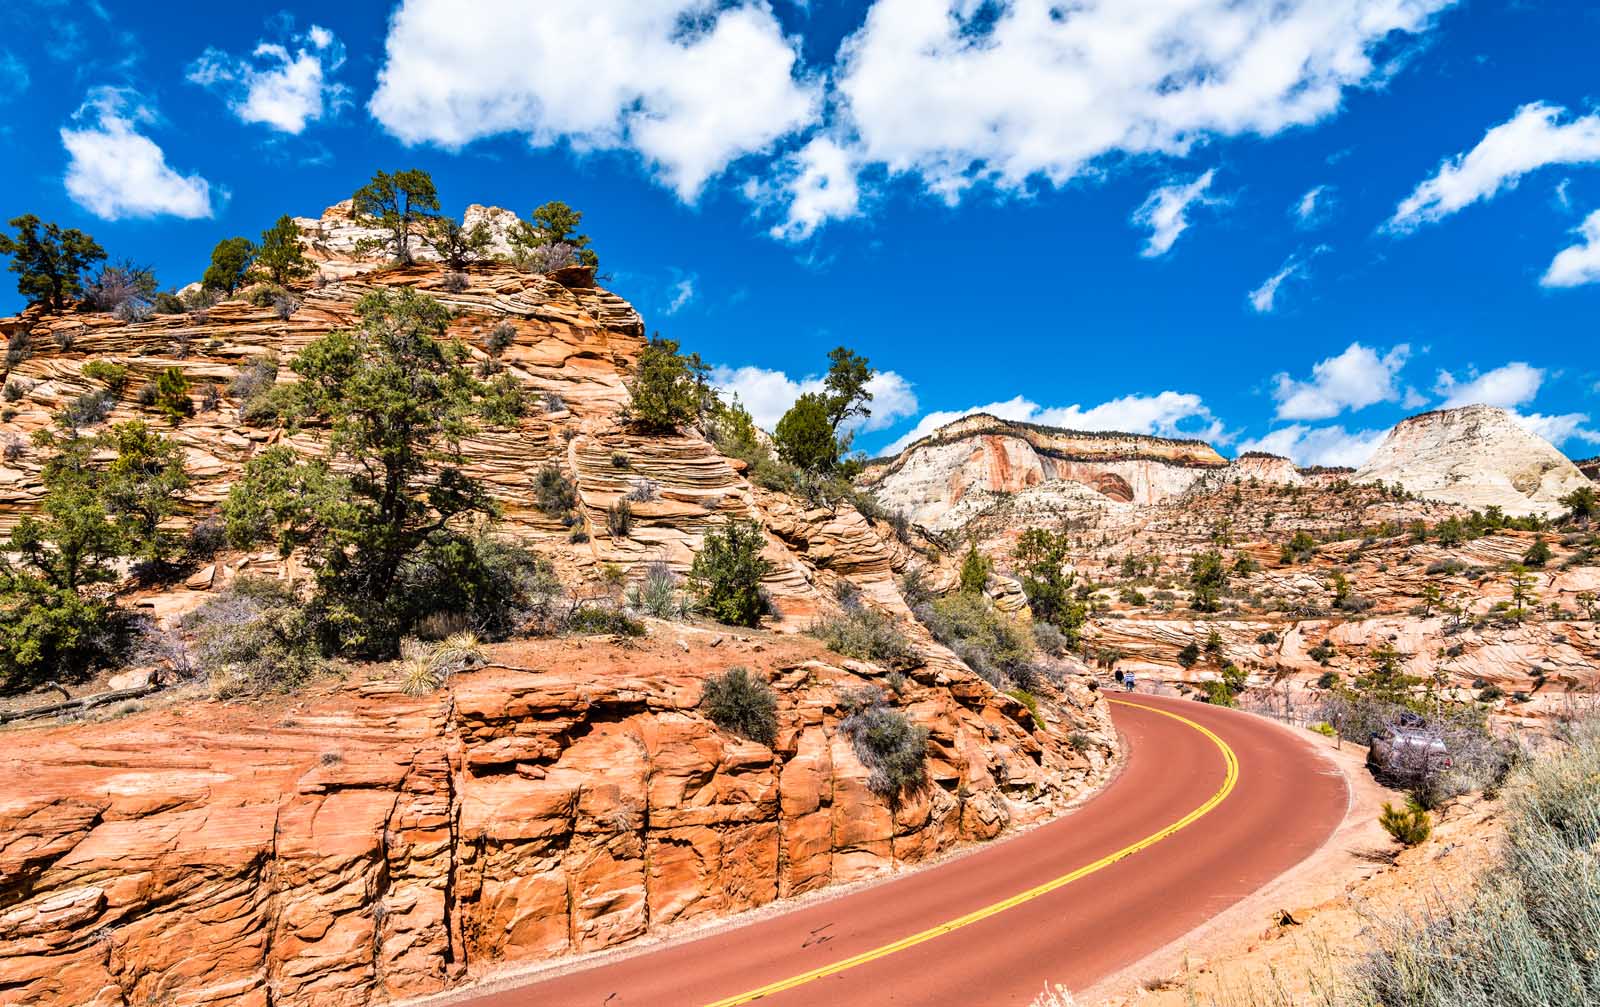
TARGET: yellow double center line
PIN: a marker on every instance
(1230, 780)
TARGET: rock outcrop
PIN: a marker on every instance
(958, 471)
(1476, 456)
(1590, 467)
(364, 846)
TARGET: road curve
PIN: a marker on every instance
(1281, 806)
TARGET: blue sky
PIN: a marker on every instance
(1278, 225)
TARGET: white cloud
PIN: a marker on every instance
(1313, 208)
(682, 294)
(1168, 414)
(1577, 264)
(114, 171)
(1165, 213)
(817, 184)
(275, 86)
(1508, 386)
(769, 394)
(959, 93)
(1528, 141)
(1265, 297)
(689, 85)
(1331, 446)
(1557, 429)
(1354, 379)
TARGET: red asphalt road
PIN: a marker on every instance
(1286, 803)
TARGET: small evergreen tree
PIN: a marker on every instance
(172, 395)
(1538, 554)
(848, 376)
(1410, 825)
(456, 246)
(727, 572)
(1208, 578)
(393, 203)
(975, 569)
(280, 255)
(230, 265)
(805, 436)
(49, 262)
(669, 390)
(554, 223)
(1042, 557)
(143, 486)
(1581, 504)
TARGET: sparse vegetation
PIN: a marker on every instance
(741, 703)
(727, 572)
(864, 632)
(893, 749)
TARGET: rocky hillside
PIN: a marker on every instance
(1476, 456)
(1589, 467)
(965, 467)
(349, 843)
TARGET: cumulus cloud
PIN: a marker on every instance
(1354, 379)
(114, 171)
(1506, 387)
(815, 184)
(1537, 136)
(1330, 446)
(1577, 264)
(688, 85)
(1558, 429)
(277, 85)
(1168, 414)
(960, 94)
(768, 394)
(1264, 298)
(1166, 213)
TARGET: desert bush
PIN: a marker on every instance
(500, 338)
(996, 647)
(547, 258)
(425, 667)
(554, 403)
(453, 283)
(595, 619)
(619, 519)
(253, 380)
(87, 409)
(498, 588)
(123, 288)
(14, 449)
(504, 401)
(553, 492)
(284, 305)
(254, 638)
(644, 491)
(1300, 548)
(739, 702)
(113, 375)
(170, 395)
(891, 747)
(727, 571)
(669, 389)
(1049, 639)
(205, 539)
(265, 295)
(1031, 701)
(864, 632)
(52, 632)
(657, 592)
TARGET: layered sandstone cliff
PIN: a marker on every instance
(361, 845)
(959, 471)
(1477, 456)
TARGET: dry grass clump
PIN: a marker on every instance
(424, 667)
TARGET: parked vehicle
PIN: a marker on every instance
(1407, 752)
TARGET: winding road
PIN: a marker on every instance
(1210, 805)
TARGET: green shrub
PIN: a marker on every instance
(865, 633)
(87, 409)
(504, 401)
(894, 750)
(619, 519)
(739, 702)
(257, 637)
(669, 390)
(1189, 656)
(553, 492)
(52, 633)
(975, 568)
(805, 436)
(1300, 548)
(998, 648)
(265, 295)
(1410, 825)
(495, 587)
(113, 376)
(171, 395)
(727, 572)
(1031, 701)
(657, 592)
(1538, 554)
(602, 620)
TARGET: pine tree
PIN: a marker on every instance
(280, 255)
(49, 262)
(393, 203)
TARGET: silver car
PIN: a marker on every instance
(1407, 752)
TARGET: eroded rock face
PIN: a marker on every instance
(978, 458)
(363, 846)
(1477, 456)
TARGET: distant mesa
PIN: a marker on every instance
(1475, 456)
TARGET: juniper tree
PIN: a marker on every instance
(393, 203)
(554, 223)
(49, 261)
(231, 260)
(280, 255)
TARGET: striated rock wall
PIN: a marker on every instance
(364, 846)
(1476, 456)
(979, 457)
